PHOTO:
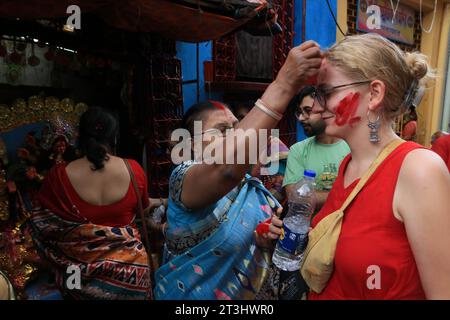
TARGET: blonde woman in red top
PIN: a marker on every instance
(395, 235)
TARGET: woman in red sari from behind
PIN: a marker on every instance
(85, 222)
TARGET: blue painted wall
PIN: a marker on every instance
(320, 27)
(298, 23)
(186, 52)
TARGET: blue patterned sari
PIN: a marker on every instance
(211, 253)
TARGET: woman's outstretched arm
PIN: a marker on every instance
(205, 184)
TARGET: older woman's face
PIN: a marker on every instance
(220, 120)
(343, 110)
(217, 123)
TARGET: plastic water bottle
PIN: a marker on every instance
(294, 238)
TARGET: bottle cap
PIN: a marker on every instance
(309, 173)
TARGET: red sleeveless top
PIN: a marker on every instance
(373, 257)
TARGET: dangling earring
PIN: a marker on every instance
(374, 126)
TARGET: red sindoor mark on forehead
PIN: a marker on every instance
(218, 105)
(223, 108)
(312, 81)
(345, 112)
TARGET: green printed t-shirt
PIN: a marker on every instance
(324, 159)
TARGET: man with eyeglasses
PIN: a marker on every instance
(320, 152)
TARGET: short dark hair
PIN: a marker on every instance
(306, 91)
(197, 111)
(97, 135)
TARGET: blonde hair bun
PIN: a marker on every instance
(417, 63)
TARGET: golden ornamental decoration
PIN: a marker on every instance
(39, 109)
(5, 116)
(67, 105)
(19, 106)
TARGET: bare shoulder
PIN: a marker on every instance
(116, 167)
(422, 165)
(423, 184)
(77, 168)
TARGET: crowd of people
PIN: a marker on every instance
(215, 248)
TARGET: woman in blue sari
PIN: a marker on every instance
(212, 250)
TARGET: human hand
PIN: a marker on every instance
(265, 233)
(302, 63)
(156, 203)
(276, 225)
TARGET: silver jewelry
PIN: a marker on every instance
(373, 126)
(260, 105)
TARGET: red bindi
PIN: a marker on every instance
(345, 112)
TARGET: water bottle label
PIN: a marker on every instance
(294, 243)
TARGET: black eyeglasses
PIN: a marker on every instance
(320, 95)
(303, 111)
(222, 131)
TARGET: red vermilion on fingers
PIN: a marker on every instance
(263, 227)
(346, 110)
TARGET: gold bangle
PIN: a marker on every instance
(260, 105)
